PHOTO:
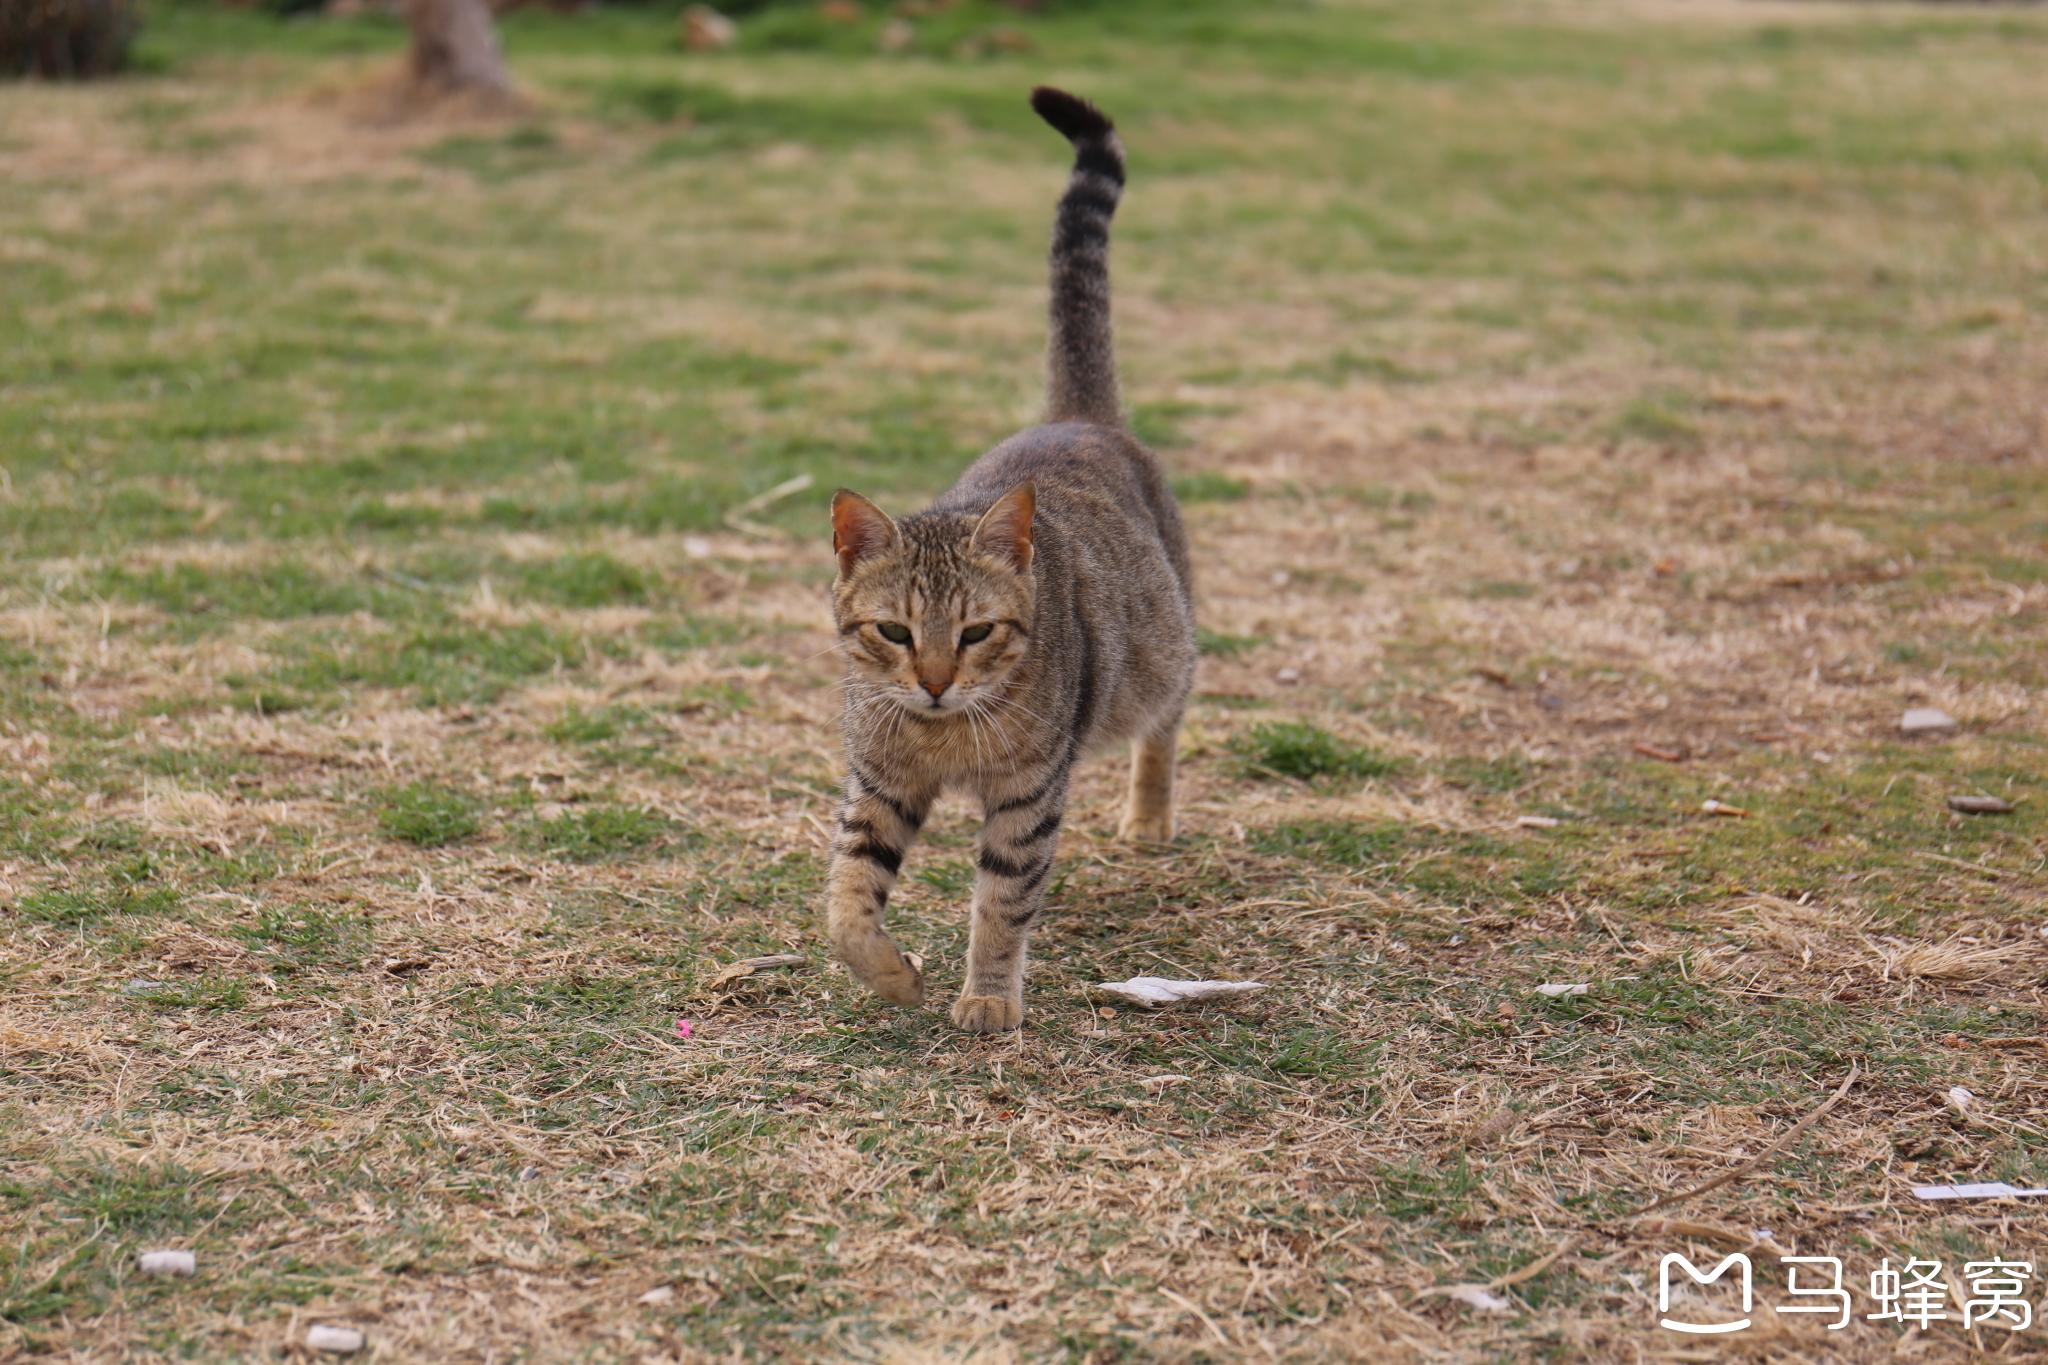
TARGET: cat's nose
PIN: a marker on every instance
(935, 688)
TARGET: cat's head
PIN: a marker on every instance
(934, 612)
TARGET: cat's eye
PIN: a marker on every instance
(974, 635)
(894, 633)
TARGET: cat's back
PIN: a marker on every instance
(1098, 487)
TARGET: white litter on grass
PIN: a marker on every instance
(1960, 1097)
(1537, 822)
(1924, 720)
(142, 987)
(1556, 988)
(1476, 1295)
(661, 1293)
(1156, 992)
(1992, 1191)
(340, 1341)
(167, 1263)
(1161, 1082)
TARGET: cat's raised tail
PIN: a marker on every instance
(1080, 361)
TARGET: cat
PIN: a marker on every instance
(1040, 609)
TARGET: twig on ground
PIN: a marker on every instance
(1855, 1070)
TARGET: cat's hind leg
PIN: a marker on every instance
(1019, 839)
(875, 827)
(1148, 818)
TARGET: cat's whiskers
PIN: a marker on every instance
(996, 699)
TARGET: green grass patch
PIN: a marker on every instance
(452, 665)
(1299, 750)
(1209, 485)
(588, 580)
(593, 834)
(1221, 646)
(1461, 869)
(305, 937)
(69, 906)
(428, 815)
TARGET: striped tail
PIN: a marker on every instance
(1080, 361)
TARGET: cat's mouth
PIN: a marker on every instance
(923, 703)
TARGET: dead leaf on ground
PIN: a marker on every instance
(747, 966)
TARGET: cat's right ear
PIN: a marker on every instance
(860, 530)
(1005, 529)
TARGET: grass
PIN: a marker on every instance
(427, 815)
(598, 833)
(1300, 750)
(1580, 412)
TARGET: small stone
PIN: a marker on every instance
(706, 30)
(340, 1341)
(1288, 677)
(167, 1263)
(661, 1293)
(1476, 1295)
(1925, 720)
(1980, 805)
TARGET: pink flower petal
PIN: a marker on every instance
(682, 1028)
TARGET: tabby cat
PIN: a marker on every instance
(1038, 610)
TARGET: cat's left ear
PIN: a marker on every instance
(860, 530)
(1005, 529)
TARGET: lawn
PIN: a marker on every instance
(412, 698)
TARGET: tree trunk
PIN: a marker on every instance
(64, 40)
(455, 47)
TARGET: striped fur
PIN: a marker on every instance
(1080, 367)
(1038, 611)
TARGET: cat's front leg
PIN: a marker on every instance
(875, 827)
(1019, 839)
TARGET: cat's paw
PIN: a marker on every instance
(904, 986)
(988, 1013)
(1146, 829)
(877, 963)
